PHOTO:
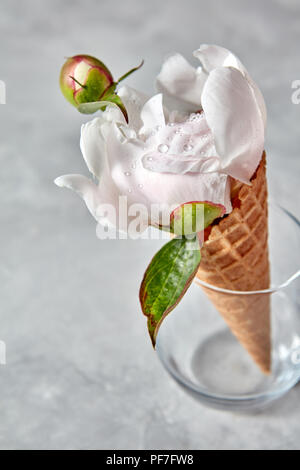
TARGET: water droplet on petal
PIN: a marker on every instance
(140, 186)
(130, 190)
(187, 147)
(127, 173)
(171, 124)
(195, 117)
(178, 130)
(133, 166)
(149, 159)
(163, 148)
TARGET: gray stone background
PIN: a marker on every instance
(80, 370)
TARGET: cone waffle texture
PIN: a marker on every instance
(235, 257)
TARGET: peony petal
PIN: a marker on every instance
(212, 56)
(152, 114)
(93, 195)
(133, 101)
(113, 113)
(181, 84)
(179, 164)
(167, 190)
(93, 137)
(175, 190)
(234, 118)
(259, 99)
(124, 159)
(82, 186)
(192, 137)
(93, 146)
(183, 148)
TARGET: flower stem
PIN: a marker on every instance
(130, 72)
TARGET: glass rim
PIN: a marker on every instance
(271, 289)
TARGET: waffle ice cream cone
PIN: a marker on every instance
(235, 257)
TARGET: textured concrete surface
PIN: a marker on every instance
(80, 370)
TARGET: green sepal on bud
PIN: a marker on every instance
(88, 84)
(194, 217)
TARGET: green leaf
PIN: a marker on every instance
(167, 278)
(113, 98)
(92, 107)
(193, 217)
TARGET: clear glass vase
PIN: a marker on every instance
(204, 357)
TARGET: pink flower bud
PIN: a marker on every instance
(84, 79)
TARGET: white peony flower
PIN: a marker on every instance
(233, 105)
(212, 128)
